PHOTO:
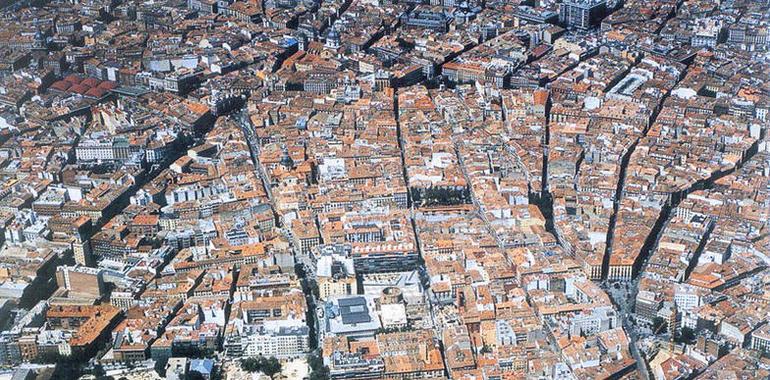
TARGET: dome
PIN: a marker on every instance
(333, 38)
(333, 35)
(287, 161)
(39, 41)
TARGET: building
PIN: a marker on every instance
(81, 281)
(760, 339)
(582, 14)
(51, 202)
(244, 11)
(749, 34)
(82, 251)
(277, 339)
(201, 368)
(306, 235)
(203, 6)
(594, 321)
(10, 353)
(117, 149)
(176, 368)
(647, 305)
(408, 282)
(91, 325)
(435, 19)
(336, 276)
(687, 297)
(351, 316)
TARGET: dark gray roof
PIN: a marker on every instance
(354, 310)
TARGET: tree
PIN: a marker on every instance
(49, 357)
(658, 325)
(251, 365)
(318, 371)
(320, 374)
(315, 290)
(271, 367)
(315, 361)
(687, 335)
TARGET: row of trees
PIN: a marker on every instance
(271, 366)
(318, 371)
(268, 366)
(440, 196)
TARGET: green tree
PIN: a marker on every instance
(251, 365)
(271, 367)
(318, 371)
(315, 361)
(658, 325)
(315, 290)
(268, 366)
(320, 374)
(687, 335)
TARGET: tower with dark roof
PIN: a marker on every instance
(39, 42)
(333, 38)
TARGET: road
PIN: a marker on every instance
(623, 298)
